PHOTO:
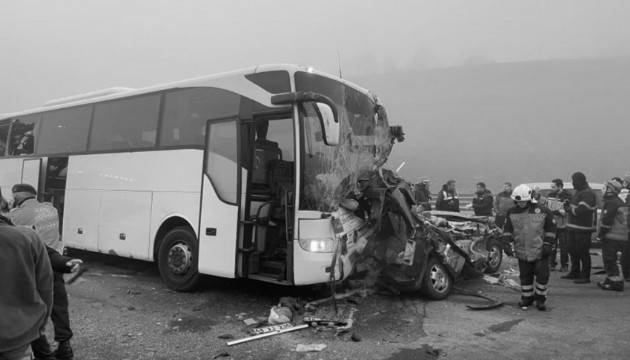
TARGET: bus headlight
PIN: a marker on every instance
(318, 245)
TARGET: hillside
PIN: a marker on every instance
(518, 122)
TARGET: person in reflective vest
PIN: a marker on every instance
(448, 198)
(613, 233)
(532, 228)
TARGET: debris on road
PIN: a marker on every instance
(494, 303)
(280, 315)
(260, 336)
(310, 348)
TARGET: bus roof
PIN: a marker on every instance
(119, 92)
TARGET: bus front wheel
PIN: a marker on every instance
(178, 259)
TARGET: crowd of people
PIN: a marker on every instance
(33, 290)
(541, 227)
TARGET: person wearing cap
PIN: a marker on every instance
(44, 219)
(532, 228)
(502, 203)
(581, 224)
(613, 233)
(422, 194)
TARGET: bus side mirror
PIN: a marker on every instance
(330, 125)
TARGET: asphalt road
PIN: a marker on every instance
(121, 310)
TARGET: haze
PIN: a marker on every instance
(456, 69)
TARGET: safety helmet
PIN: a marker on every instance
(522, 193)
(612, 185)
(423, 180)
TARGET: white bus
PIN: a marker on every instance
(235, 175)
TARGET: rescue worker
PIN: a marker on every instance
(43, 218)
(613, 233)
(422, 194)
(502, 203)
(448, 198)
(532, 229)
(482, 202)
(581, 223)
(555, 199)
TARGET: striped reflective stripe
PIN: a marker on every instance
(527, 290)
(582, 203)
(541, 289)
(573, 226)
(550, 234)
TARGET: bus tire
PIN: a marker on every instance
(178, 259)
(437, 281)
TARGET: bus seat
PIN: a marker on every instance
(280, 174)
(265, 152)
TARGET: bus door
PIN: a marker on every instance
(220, 200)
(31, 171)
(267, 222)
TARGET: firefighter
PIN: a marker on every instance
(532, 229)
(613, 232)
(448, 198)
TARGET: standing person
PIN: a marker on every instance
(26, 294)
(581, 223)
(555, 199)
(502, 203)
(43, 218)
(422, 193)
(613, 232)
(448, 198)
(625, 257)
(531, 228)
(482, 202)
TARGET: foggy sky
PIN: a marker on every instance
(52, 49)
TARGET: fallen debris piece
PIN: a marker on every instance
(280, 315)
(494, 302)
(268, 329)
(255, 337)
(250, 322)
(356, 292)
(355, 337)
(226, 337)
(310, 348)
(223, 354)
(491, 280)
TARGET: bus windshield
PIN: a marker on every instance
(329, 173)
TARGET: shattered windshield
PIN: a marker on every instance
(330, 173)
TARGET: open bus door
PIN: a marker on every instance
(220, 200)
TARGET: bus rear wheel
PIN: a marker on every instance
(178, 259)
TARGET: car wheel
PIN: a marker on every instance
(178, 259)
(437, 282)
(495, 257)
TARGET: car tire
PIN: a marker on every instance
(178, 259)
(437, 281)
(495, 257)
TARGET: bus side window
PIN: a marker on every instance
(22, 137)
(4, 137)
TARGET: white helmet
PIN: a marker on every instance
(522, 193)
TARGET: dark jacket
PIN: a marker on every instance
(58, 261)
(422, 196)
(482, 203)
(614, 224)
(26, 294)
(447, 200)
(583, 210)
(530, 228)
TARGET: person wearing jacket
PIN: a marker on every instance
(613, 232)
(422, 194)
(482, 202)
(625, 257)
(581, 223)
(532, 229)
(502, 203)
(448, 198)
(555, 199)
(26, 294)
(43, 218)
